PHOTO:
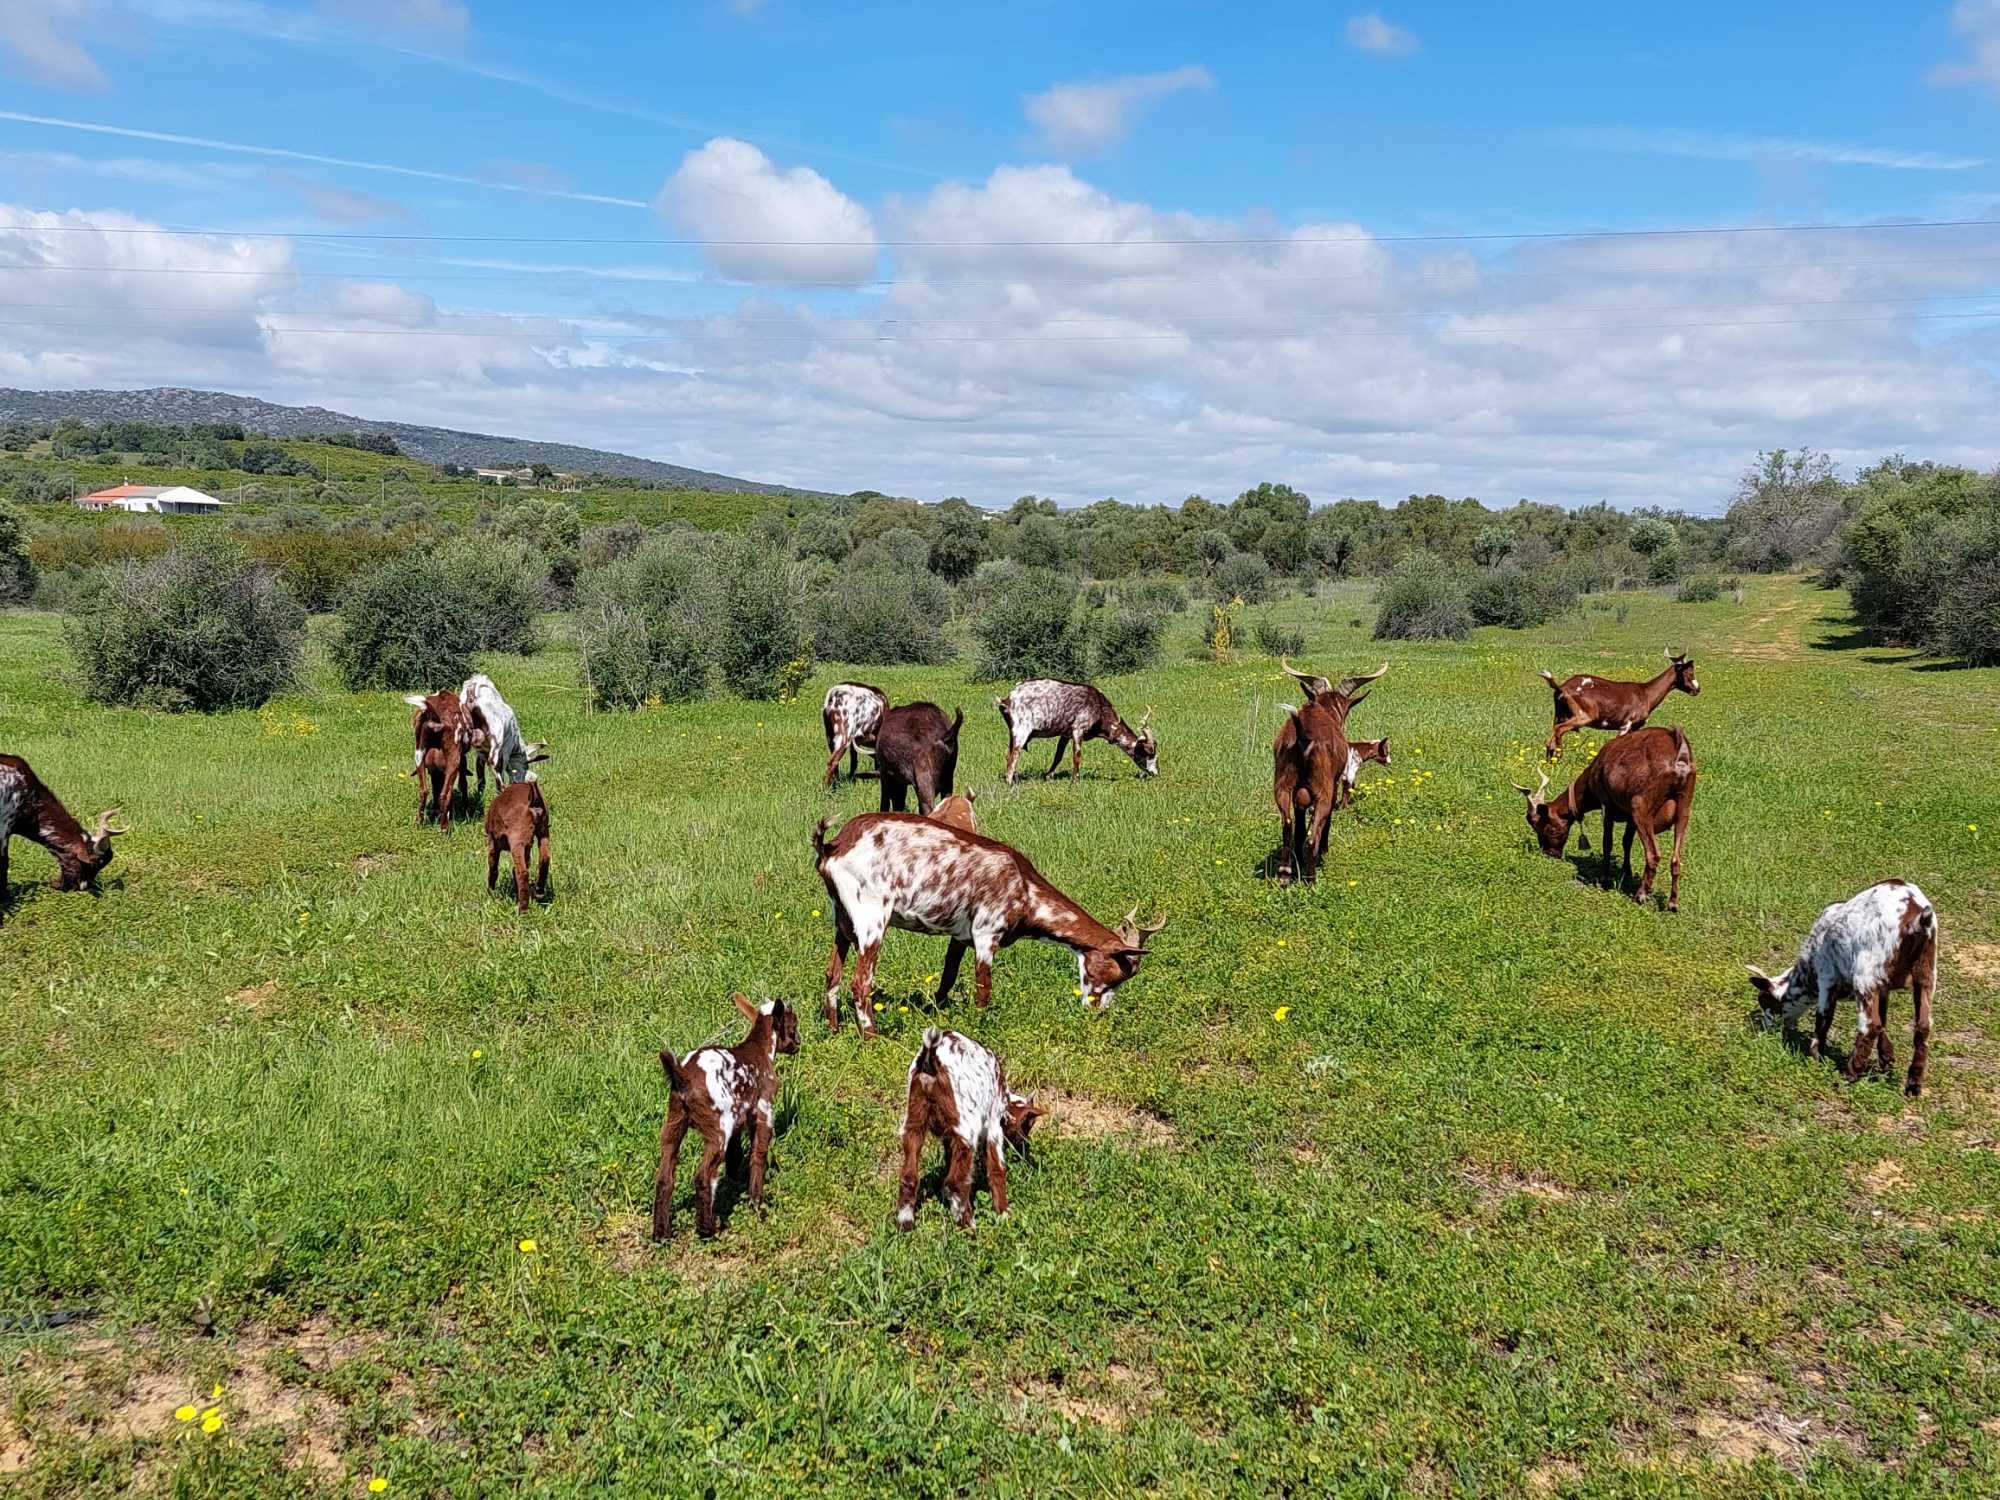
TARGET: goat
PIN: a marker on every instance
(31, 811)
(850, 715)
(1359, 754)
(959, 1093)
(1070, 713)
(1309, 759)
(1645, 780)
(956, 812)
(495, 734)
(1884, 939)
(1599, 703)
(439, 765)
(515, 819)
(888, 870)
(722, 1092)
(915, 746)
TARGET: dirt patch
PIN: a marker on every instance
(1886, 1176)
(372, 864)
(1111, 1397)
(256, 996)
(1784, 644)
(1744, 1440)
(1979, 962)
(1496, 1184)
(1909, 1125)
(1080, 1117)
(623, 1240)
(1551, 1475)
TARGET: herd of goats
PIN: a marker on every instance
(932, 872)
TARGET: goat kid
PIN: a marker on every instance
(958, 1093)
(1885, 938)
(495, 734)
(1070, 713)
(725, 1094)
(1646, 781)
(1359, 754)
(442, 739)
(516, 819)
(956, 812)
(31, 811)
(916, 747)
(888, 870)
(1309, 760)
(850, 715)
(1599, 703)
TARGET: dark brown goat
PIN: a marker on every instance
(443, 737)
(916, 746)
(722, 1092)
(1598, 703)
(516, 818)
(1644, 780)
(31, 811)
(1308, 764)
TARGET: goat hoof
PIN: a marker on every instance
(1913, 1089)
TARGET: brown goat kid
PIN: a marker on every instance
(31, 811)
(1309, 761)
(956, 812)
(1359, 754)
(916, 746)
(516, 818)
(1644, 780)
(959, 1093)
(726, 1094)
(1584, 702)
(443, 738)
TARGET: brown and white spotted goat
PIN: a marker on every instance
(888, 870)
(443, 740)
(1884, 939)
(1646, 781)
(727, 1095)
(849, 716)
(1359, 754)
(31, 811)
(1309, 765)
(1070, 713)
(517, 819)
(1599, 703)
(959, 1093)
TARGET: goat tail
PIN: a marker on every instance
(820, 845)
(1683, 754)
(926, 1059)
(676, 1071)
(1006, 711)
(415, 700)
(957, 720)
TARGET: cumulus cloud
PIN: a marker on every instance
(1077, 119)
(762, 223)
(1977, 24)
(37, 38)
(1370, 33)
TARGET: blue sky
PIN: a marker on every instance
(1075, 250)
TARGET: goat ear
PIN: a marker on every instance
(537, 750)
(745, 1004)
(1356, 701)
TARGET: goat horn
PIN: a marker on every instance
(1149, 931)
(1131, 918)
(1755, 972)
(1546, 675)
(104, 828)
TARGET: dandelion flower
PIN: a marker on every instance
(212, 1423)
(1352, 884)
(217, 1392)
(1281, 942)
(527, 1247)
(377, 1485)
(815, 910)
(477, 1053)
(1281, 1012)
(184, 1414)
(903, 1009)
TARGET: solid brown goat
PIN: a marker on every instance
(443, 736)
(1644, 780)
(31, 811)
(916, 746)
(724, 1094)
(1309, 761)
(1584, 702)
(516, 819)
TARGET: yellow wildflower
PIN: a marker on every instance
(527, 1247)
(212, 1423)
(477, 1053)
(1281, 1012)
(377, 1485)
(184, 1414)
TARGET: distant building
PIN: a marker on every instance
(495, 476)
(154, 499)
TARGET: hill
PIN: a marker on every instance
(438, 445)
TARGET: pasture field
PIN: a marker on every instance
(1453, 1174)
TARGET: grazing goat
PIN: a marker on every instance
(495, 734)
(916, 746)
(850, 715)
(1359, 754)
(888, 870)
(1645, 780)
(722, 1092)
(516, 819)
(1598, 703)
(959, 1093)
(1070, 713)
(31, 811)
(1884, 939)
(439, 765)
(1309, 760)
(956, 812)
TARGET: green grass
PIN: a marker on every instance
(1514, 1197)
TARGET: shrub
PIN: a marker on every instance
(1274, 639)
(611, 542)
(318, 565)
(17, 569)
(883, 615)
(1155, 595)
(200, 628)
(1218, 634)
(646, 629)
(1245, 576)
(1702, 588)
(898, 547)
(1423, 600)
(1034, 629)
(1128, 640)
(1520, 599)
(411, 623)
(552, 531)
(992, 579)
(762, 625)
(503, 585)
(1968, 616)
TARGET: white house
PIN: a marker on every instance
(158, 499)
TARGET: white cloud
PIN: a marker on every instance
(36, 37)
(408, 15)
(1077, 119)
(1977, 24)
(1370, 33)
(764, 224)
(1703, 145)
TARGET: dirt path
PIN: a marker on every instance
(1776, 634)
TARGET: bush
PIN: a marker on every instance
(318, 565)
(762, 626)
(1245, 576)
(1154, 595)
(503, 583)
(1128, 640)
(17, 569)
(647, 628)
(411, 623)
(883, 615)
(1968, 616)
(200, 628)
(1034, 629)
(611, 542)
(1218, 632)
(1702, 588)
(552, 531)
(1423, 600)
(1274, 639)
(1520, 599)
